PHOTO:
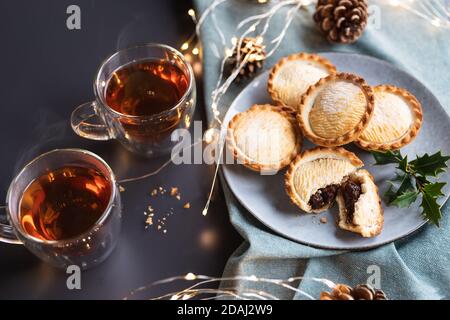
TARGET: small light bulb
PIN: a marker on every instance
(190, 276)
(195, 51)
(435, 22)
(185, 46)
(191, 12)
(210, 135)
(228, 52)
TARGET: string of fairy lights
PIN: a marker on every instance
(198, 292)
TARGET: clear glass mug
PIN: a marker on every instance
(85, 250)
(145, 135)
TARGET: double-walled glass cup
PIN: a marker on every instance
(84, 250)
(145, 135)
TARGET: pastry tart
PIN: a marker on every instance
(319, 176)
(264, 138)
(396, 121)
(313, 178)
(360, 207)
(336, 109)
(291, 77)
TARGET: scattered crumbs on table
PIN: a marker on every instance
(156, 220)
(324, 220)
(174, 191)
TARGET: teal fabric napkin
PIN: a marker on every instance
(414, 268)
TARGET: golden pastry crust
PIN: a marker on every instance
(339, 119)
(265, 122)
(317, 168)
(392, 136)
(281, 94)
(368, 217)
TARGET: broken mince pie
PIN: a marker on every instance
(319, 176)
(336, 110)
(264, 138)
(360, 208)
(396, 121)
(291, 77)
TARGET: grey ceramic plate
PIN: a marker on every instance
(265, 198)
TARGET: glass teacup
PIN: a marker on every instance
(89, 247)
(142, 94)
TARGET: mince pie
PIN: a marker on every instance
(264, 138)
(336, 110)
(319, 176)
(396, 121)
(291, 77)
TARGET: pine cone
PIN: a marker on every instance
(254, 50)
(341, 20)
(360, 292)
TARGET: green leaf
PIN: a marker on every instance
(387, 157)
(405, 184)
(431, 209)
(413, 180)
(390, 194)
(434, 189)
(427, 165)
(406, 199)
(403, 164)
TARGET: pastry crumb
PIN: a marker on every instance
(187, 205)
(173, 191)
(154, 192)
(121, 189)
(324, 220)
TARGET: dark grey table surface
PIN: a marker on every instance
(46, 71)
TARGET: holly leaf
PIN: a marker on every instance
(405, 185)
(382, 158)
(413, 180)
(403, 164)
(430, 207)
(406, 199)
(434, 189)
(427, 165)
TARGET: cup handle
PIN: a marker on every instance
(7, 234)
(88, 124)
